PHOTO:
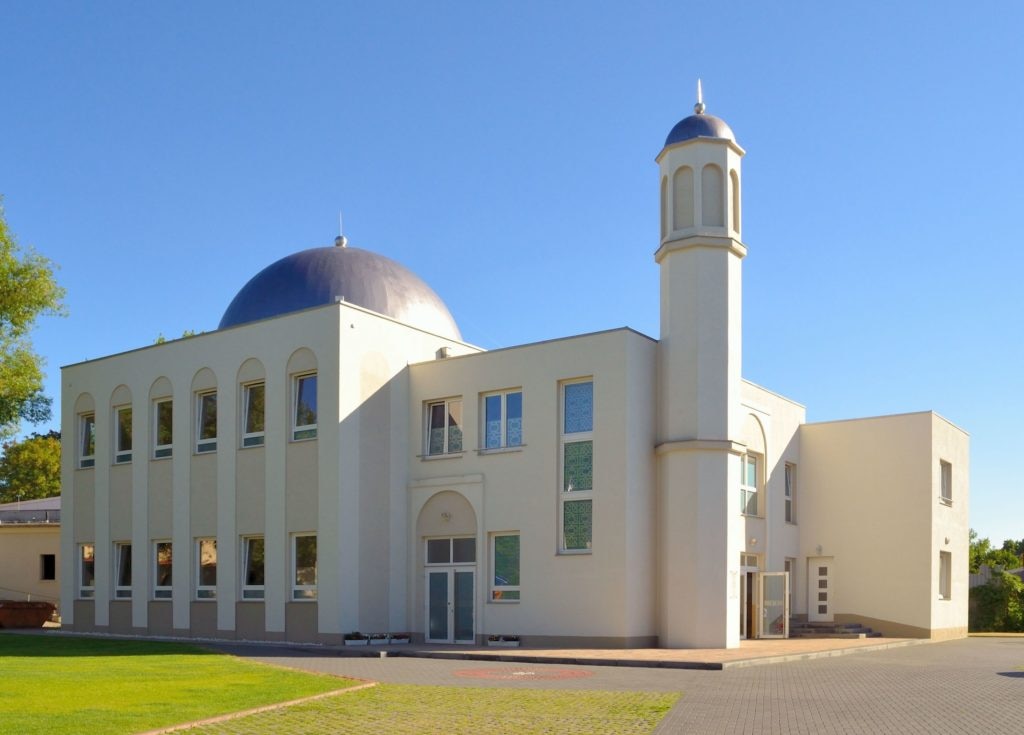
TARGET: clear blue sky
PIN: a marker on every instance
(163, 153)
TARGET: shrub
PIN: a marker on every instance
(998, 606)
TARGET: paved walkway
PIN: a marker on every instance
(966, 686)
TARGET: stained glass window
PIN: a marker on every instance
(579, 407)
(444, 427)
(577, 524)
(578, 465)
(503, 420)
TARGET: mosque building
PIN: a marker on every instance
(336, 458)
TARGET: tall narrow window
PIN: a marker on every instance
(47, 567)
(123, 435)
(304, 567)
(505, 564)
(304, 418)
(946, 475)
(503, 419)
(748, 481)
(86, 570)
(122, 570)
(945, 575)
(252, 429)
(163, 418)
(790, 493)
(444, 427)
(790, 569)
(163, 566)
(206, 568)
(206, 422)
(87, 440)
(252, 568)
(576, 503)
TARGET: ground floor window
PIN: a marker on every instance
(304, 566)
(122, 570)
(945, 575)
(47, 567)
(163, 566)
(505, 565)
(252, 568)
(86, 570)
(206, 568)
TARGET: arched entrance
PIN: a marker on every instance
(446, 533)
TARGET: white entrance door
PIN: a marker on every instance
(820, 589)
(773, 601)
(450, 609)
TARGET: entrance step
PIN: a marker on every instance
(831, 630)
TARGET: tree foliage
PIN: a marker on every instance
(27, 290)
(998, 606)
(30, 469)
(982, 552)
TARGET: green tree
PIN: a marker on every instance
(997, 606)
(982, 552)
(27, 290)
(30, 469)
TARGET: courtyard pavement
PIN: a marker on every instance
(975, 685)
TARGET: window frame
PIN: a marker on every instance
(252, 591)
(162, 591)
(945, 482)
(162, 451)
(122, 455)
(253, 438)
(567, 495)
(446, 450)
(503, 420)
(747, 491)
(450, 560)
(304, 592)
(86, 591)
(499, 591)
(205, 444)
(204, 592)
(122, 591)
(303, 432)
(86, 440)
(945, 575)
(789, 492)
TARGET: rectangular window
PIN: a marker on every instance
(86, 570)
(444, 427)
(122, 434)
(252, 428)
(503, 419)
(790, 569)
(304, 418)
(945, 575)
(163, 419)
(206, 568)
(505, 565)
(87, 440)
(749, 479)
(304, 566)
(48, 567)
(451, 550)
(206, 422)
(946, 472)
(790, 493)
(576, 455)
(162, 567)
(122, 570)
(252, 567)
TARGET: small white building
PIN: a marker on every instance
(336, 458)
(30, 550)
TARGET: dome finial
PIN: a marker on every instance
(341, 241)
(699, 107)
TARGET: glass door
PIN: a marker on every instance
(438, 626)
(450, 605)
(462, 611)
(773, 599)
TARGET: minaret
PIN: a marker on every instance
(700, 527)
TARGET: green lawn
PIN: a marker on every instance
(398, 709)
(52, 685)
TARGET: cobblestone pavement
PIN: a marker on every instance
(974, 685)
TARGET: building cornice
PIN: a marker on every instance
(701, 241)
(700, 445)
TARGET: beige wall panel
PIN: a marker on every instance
(160, 617)
(249, 617)
(120, 616)
(203, 499)
(160, 498)
(84, 509)
(250, 481)
(302, 485)
(121, 501)
(300, 622)
(203, 619)
(21, 549)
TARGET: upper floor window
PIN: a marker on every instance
(444, 427)
(748, 484)
(946, 475)
(252, 568)
(206, 421)
(87, 440)
(86, 570)
(163, 419)
(576, 456)
(206, 568)
(304, 566)
(163, 566)
(503, 419)
(122, 434)
(122, 570)
(304, 417)
(252, 426)
(790, 493)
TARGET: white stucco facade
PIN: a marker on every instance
(328, 469)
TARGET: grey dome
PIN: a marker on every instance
(325, 275)
(699, 126)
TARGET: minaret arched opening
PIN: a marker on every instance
(712, 192)
(682, 198)
(734, 188)
(664, 207)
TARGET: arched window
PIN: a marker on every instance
(664, 207)
(712, 193)
(682, 198)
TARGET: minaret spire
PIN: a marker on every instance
(699, 107)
